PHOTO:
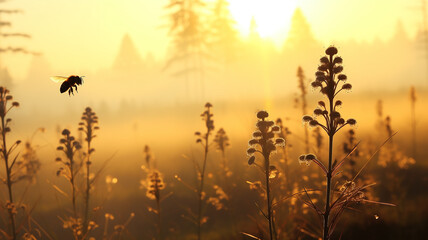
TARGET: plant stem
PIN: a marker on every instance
(202, 185)
(330, 159)
(73, 187)
(269, 215)
(9, 181)
(328, 190)
(159, 220)
(88, 188)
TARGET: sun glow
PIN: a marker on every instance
(272, 16)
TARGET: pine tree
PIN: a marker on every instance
(5, 78)
(188, 39)
(4, 24)
(224, 36)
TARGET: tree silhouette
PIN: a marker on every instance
(4, 24)
(5, 78)
(224, 36)
(188, 39)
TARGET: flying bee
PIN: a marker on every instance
(68, 83)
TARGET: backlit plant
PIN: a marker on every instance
(265, 143)
(330, 81)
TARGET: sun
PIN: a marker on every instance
(272, 16)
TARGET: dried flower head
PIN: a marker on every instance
(88, 125)
(264, 140)
(154, 185)
(207, 117)
(221, 140)
(330, 81)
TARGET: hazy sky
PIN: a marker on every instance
(84, 35)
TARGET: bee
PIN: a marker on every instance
(68, 83)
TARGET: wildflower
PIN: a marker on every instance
(154, 185)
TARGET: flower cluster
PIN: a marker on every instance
(88, 125)
(4, 108)
(28, 165)
(263, 140)
(69, 146)
(331, 81)
(221, 140)
(207, 117)
(154, 185)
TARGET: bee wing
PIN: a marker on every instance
(58, 78)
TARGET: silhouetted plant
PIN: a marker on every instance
(70, 168)
(154, 186)
(302, 101)
(153, 183)
(331, 82)
(221, 141)
(9, 161)
(28, 165)
(203, 139)
(264, 142)
(88, 126)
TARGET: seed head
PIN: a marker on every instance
(324, 60)
(313, 123)
(257, 134)
(262, 115)
(307, 118)
(276, 129)
(318, 112)
(337, 60)
(342, 77)
(251, 151)
(253, 142)
(316, 84)
(351, 121)
(65, 132)
(338, 69)
(347, 86)
(331, 51)
(251, 160)
(280, 142)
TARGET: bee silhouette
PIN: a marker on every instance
(68, 83)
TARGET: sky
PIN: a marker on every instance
(82, 35)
